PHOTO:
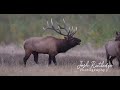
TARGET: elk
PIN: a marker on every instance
(113, 49)
(51, 45)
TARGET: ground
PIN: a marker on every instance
(11, 63)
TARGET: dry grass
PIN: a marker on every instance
(11, 63)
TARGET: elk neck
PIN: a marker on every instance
(63, 45)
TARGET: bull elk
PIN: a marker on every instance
(113, 49)
(51, 45)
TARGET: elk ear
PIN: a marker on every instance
(117, 33)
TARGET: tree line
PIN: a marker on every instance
(92, 28)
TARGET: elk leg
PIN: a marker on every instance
(49, 60)
(119, 61)
(27, 55)
(111, 59)
(118, 58)
(107, 58)
(35, 57)
(54, 60)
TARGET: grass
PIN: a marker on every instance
(11, 63)
(95, 29)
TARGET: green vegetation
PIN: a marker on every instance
(92, 28)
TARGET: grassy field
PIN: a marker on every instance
(11, 63)
(96, 29)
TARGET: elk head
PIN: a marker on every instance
(117, 38)
(69, 37)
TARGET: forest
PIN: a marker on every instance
(92, 28)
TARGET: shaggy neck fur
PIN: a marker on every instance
(64, 45)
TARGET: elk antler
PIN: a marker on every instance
(72, 33)
(69, 32)
(53, 28)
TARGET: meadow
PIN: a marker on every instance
(11, 63)
(93, 29)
